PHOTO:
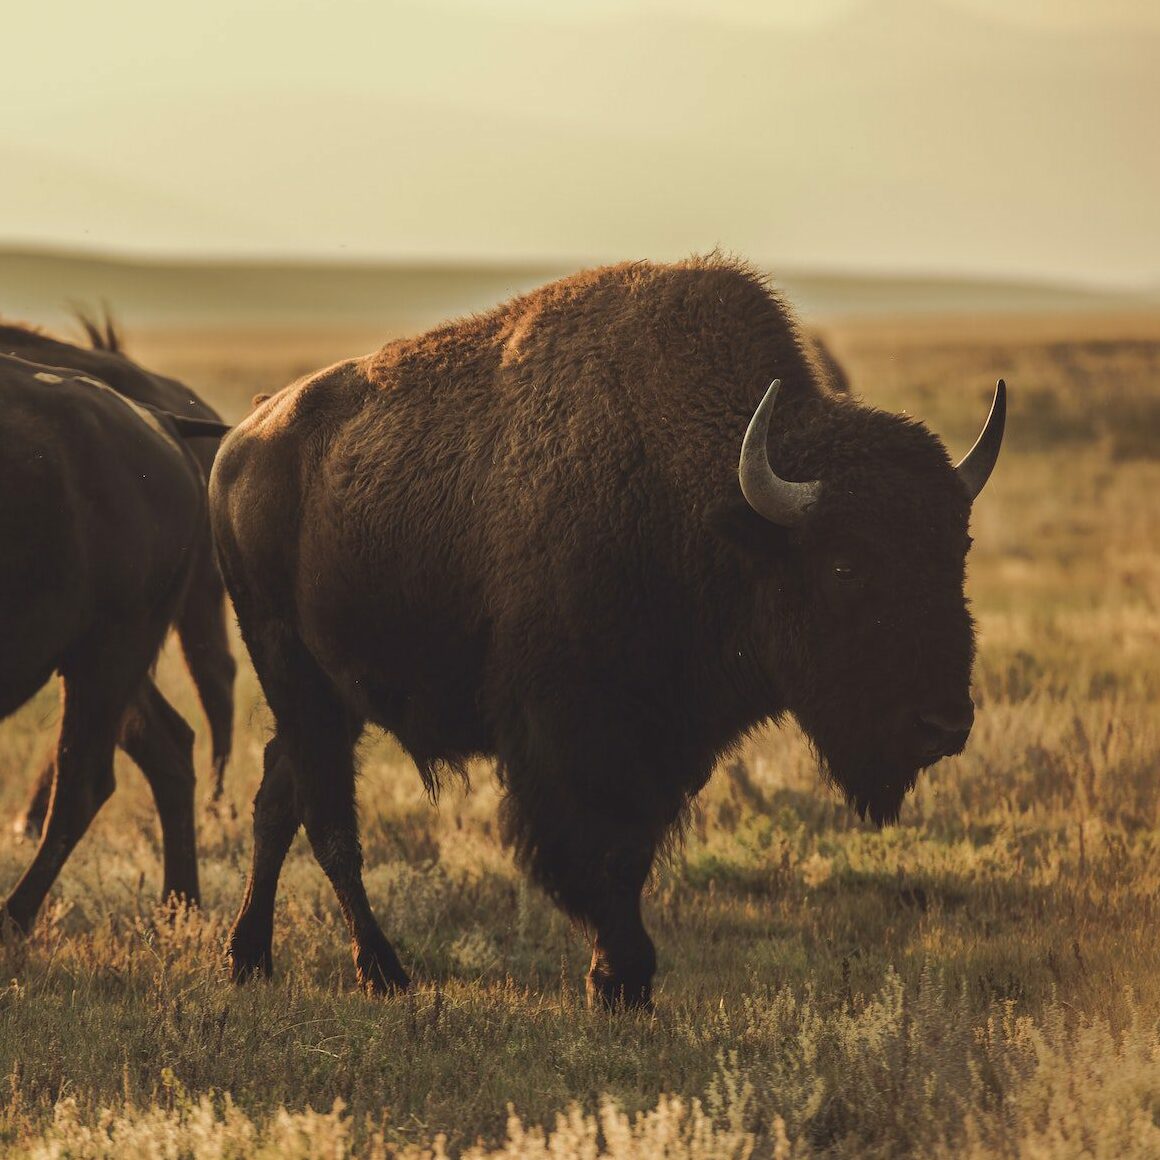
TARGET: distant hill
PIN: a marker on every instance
(41, 287)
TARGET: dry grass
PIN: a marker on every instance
(980, 980)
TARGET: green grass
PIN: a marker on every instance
(982, 979)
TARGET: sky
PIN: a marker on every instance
(1009, 138)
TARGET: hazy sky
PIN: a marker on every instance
(1013, 137)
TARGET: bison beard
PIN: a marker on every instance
(870, 790)
(525, 536)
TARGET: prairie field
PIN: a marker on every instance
(982, 979)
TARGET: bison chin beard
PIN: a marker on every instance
(874, 788)
(882, 799)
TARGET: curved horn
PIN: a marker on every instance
(776, 499)
(976, 466)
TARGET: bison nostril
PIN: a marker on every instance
(957, 720)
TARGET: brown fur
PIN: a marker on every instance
(521, 535)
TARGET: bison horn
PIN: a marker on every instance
(776, 499)
(976, 466)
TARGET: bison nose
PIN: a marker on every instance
(945, 730)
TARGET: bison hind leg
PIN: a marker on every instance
(158, 739)
(276, 821)
(309, 776)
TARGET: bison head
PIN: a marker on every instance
(874, 642)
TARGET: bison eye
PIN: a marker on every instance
(844, 571)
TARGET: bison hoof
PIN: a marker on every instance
(379, 971)
(246, 964)
(606, 993)
(377, 984)
(11, 931)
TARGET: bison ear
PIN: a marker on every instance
(737, 523)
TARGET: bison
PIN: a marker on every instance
(526, 535)
(101, 526)
(201, 621)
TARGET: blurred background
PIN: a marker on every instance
(385, 165)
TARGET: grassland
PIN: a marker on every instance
(981, 980)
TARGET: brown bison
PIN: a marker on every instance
(526, 535)
(101, 521)
(201, 621)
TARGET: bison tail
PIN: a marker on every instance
(191, 428)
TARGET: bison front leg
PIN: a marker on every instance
(623, 957)
(595, 865)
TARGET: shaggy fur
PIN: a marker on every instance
(201, 623)
(521, 535)
(101, 525)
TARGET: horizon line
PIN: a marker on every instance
(435, 263)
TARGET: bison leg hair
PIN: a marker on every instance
(158, 739)
(276, 821)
